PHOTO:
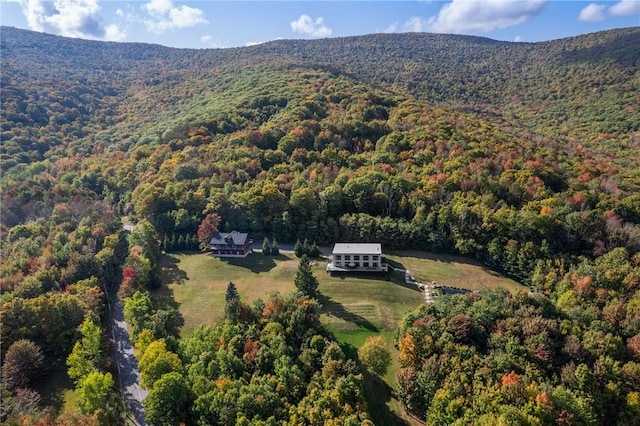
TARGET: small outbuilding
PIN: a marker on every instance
(361, 257)
(231, 244)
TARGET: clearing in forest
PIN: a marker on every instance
(355, 306)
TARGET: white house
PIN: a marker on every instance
(363, 257)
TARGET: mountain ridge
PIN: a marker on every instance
(472, 73)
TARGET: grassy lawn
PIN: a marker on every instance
(452, 271)
(354, 306)
(198, 282)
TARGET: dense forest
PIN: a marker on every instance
(524, 156)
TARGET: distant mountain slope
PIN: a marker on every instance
(580, 79)
(57, 90)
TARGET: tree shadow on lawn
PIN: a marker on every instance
(394, 263)
(336, 309)
(254, 262)
(53, 396)
(171, 272)
(378, 395)
(392, 277)
(164, 300)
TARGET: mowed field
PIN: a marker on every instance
(451, 271)
(359, 305)
(354, 306)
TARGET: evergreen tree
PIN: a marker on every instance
(266, 246)
(192, 242)
(305, 282)
(22, 363)
(181, 244)
(298, 249)
(314, 250)
(232, 303)
(275, 248)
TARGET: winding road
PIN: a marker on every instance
(128, 370)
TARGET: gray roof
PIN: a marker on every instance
(234, 237)
(357, 248)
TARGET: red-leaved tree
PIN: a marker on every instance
(207, 228)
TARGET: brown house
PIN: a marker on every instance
(231, 244)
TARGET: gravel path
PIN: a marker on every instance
(128, 370)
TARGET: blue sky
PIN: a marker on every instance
(221, 24)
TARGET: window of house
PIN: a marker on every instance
(356, 257)
(365, 264)
(347, 257)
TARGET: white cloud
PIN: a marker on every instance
(461, 16)
(305, 25)
(600, 12)
(593, 13)
(158, 7)
(210, 42)
(518, 39)
(416, 24)
(114, 33)
(625, 8)
(69, 18)
(391, 28)
(164, 16)
(255, 43)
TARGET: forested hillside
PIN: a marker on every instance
(525, 156)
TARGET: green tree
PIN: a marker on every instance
(22, 364)
(314, 250)
(275, 248)
(298, 248)
(232, 303)
(157, 361)
(86, 355)
(304, 281)
(144, 235)
(266, 246)
(304, 204)
(445, 408)
(169, 401)
(97, 394)
(375, 355)
(138, 310)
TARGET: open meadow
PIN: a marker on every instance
(354, 306)
(451, 271)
